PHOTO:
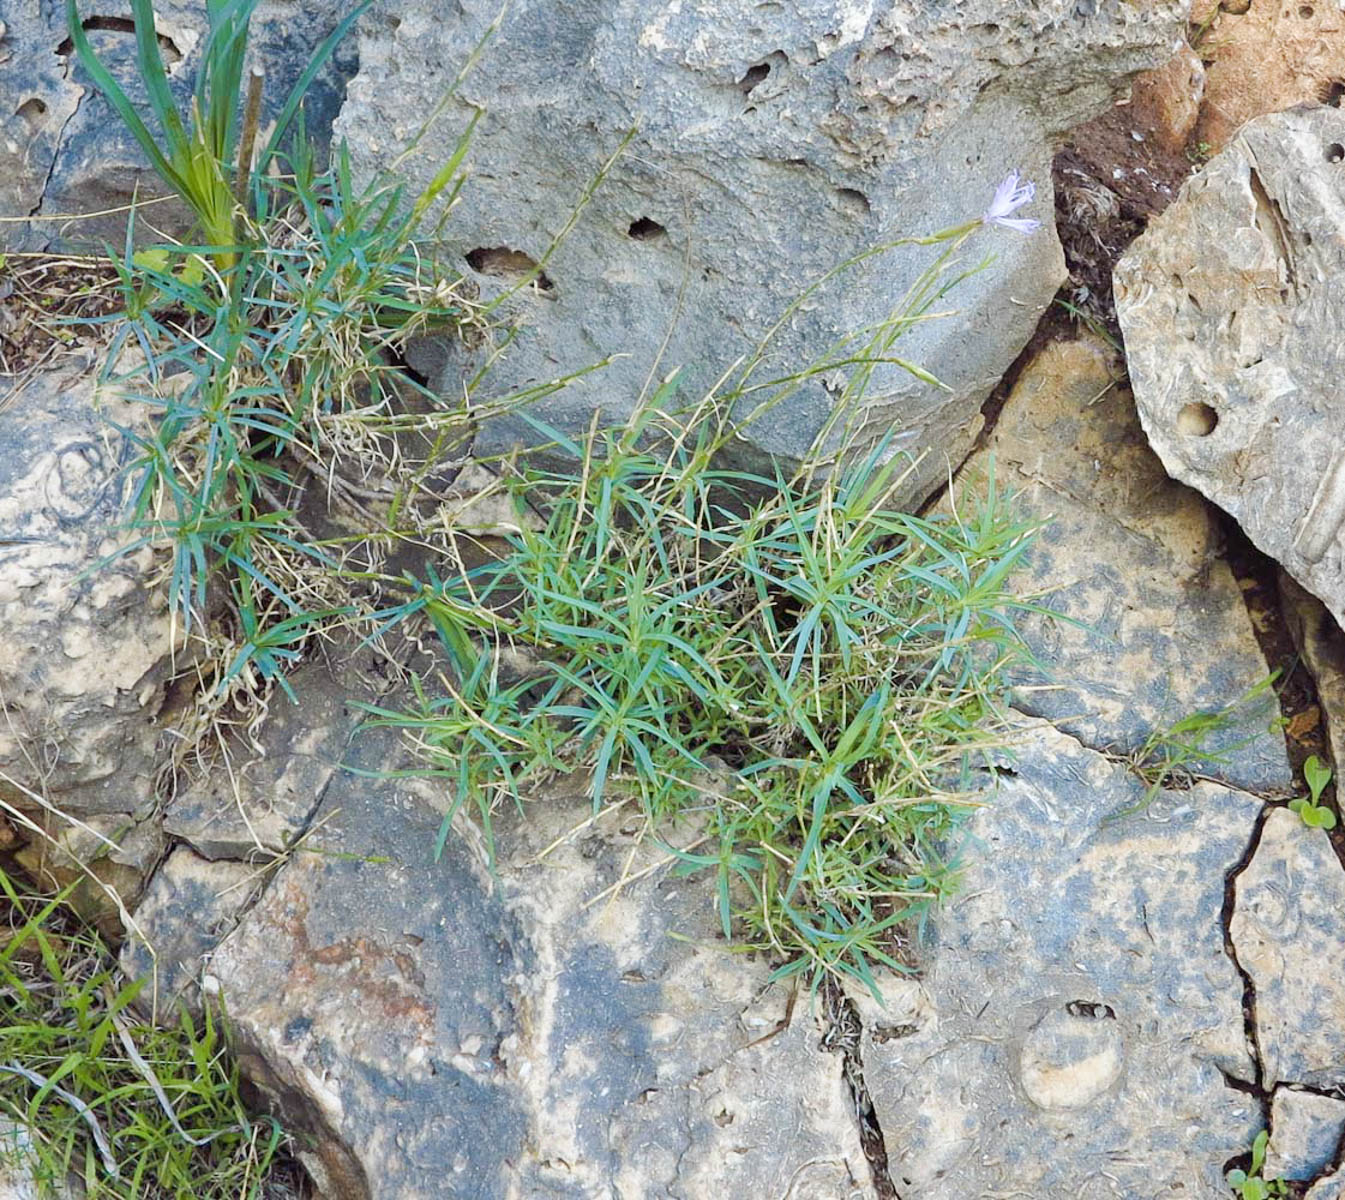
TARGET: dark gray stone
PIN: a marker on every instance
(437, 1032)
(772, 143)
(190, 905)
(255, 806)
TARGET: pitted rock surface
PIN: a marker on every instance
(1231, 311)
(1288, 930)
(1079, 1010)
(85, 653)
(772, 144)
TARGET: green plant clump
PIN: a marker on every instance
(793, 670)
(128, 1109)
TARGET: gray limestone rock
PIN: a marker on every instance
(1079, 1012)
(20, 1177)
(1152, 626)
(62, 148)
(1231, 308)
(1288, 930)
(84, 656)
(1305, 1133)
(772, 143)
(190, 905)
(435, 1031)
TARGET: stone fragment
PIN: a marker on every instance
(431, 1030)
(190, 905)
(85, 654)
(1330, 1187)
(1265, 58)
(1320, 641)
(1165, 103)
(1231, 313)
(772, 143)
(1152, 625)
(1305, 1134)
(1288, 931)
(1078, 1012)
(108, 857)
(21, 1176)
(256, 804)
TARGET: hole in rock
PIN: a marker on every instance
(1335, 152)
(753, 77)
(644, 229)
(505, 263)
(1092, 1009)
(1305, 11)
(171, 54)
(1332, 92)
(853, 200)
(1236, 7)
(1197, 419)
(31, 110)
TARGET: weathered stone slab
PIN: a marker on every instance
(1232, 312)
(84, 656)
(772, 143)
(1079, 1012)
(1305, 1133)
(436, 1031)
(1288, 930)
(1152, 625)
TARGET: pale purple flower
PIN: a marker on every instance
(1010, 196)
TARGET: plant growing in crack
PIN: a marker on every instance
(1249, 1184)
(1172, 756)
(1313, 813)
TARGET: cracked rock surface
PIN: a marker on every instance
(1152, 624)
(1079, 1013)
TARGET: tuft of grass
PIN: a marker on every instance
(207, 159)
(1176, 755)
(127, 1109)
(791, 670)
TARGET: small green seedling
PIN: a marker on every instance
(1315, 815)
(1248, 1184)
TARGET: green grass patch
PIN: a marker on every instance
(796, 670)
(127, 1109)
